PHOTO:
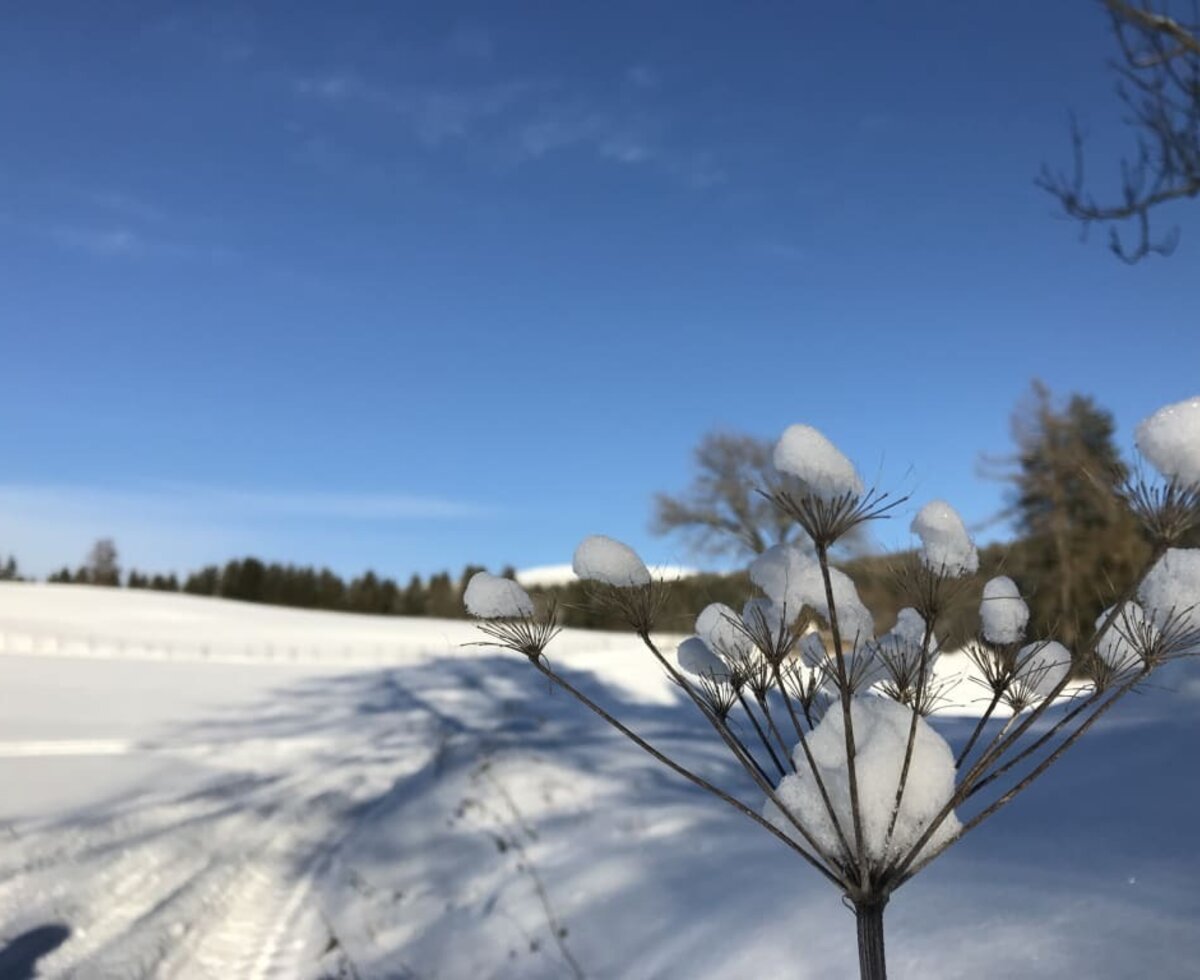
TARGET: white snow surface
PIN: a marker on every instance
(1170, 440)
(603, 559)
(945, 543)
(198, 788)
(792, 579)
(805, 454)
(1170, 592)
(881, 731)
(543, 576)
(491, 597)
(1002, 611)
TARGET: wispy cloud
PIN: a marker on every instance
(565, 127)
(434, 114)
(525, 121)
(169, 500)
(112, 242)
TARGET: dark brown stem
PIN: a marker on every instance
(732, 744)
(872, 963)
(1025, 753)
(686, 773)
(962, 756)
(847, 720)
(1050, 759)
(912, 736)
(766, 710)
(762, 736)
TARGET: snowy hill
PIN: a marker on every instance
(545, 576)
(202, 788)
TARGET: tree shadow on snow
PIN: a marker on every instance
(19, 956)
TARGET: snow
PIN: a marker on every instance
(696, 658)
(945, 544)
(1120, 645)
(717, 626)
(1003, 611)
(901, 647)
(1170, 592)
(547, 576)
(601, 559)
(881, 728)
(804, 453)
(792, 579)
(201, 788)
(1043, 666)
(1170, 440)
(491, 597)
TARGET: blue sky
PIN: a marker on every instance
(411, 285)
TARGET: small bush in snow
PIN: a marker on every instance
(854, 779)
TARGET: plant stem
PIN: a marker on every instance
(686, 773)
(962, 756)
(847, 720)
(872, 963)
(762, 736)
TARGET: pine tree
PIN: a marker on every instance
(1080, 547)
(413, 601)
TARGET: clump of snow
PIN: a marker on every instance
(1003, 611)
(1170, 439)
(1170, 592)
(717, 626)
(945, 544)
(812, 650)
(792, 578)
(1120, 646)
(804, 453)
(602, 559)
(900, 648)
(492, 597)
(696, 658)
(881, 731)
(757, 613)
(1043, 666)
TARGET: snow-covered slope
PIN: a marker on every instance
(544, 576)
(198, 788)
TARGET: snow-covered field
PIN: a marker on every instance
(198, 788)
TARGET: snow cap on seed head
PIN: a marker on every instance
(945, 544)
(792, 579)
(1003, 611)
(602, 559)
(492, 597)
(696, 658)
(1043, 666)
(1170, 592)
(804, 453)
(717, 627)
(1170, 440)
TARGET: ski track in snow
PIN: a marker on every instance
(218, 882)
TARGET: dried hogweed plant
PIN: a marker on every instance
(855, 781)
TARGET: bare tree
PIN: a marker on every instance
(1158, 67)
(102, 567)
(722, 513)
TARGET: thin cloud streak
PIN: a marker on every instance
(190, 502)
